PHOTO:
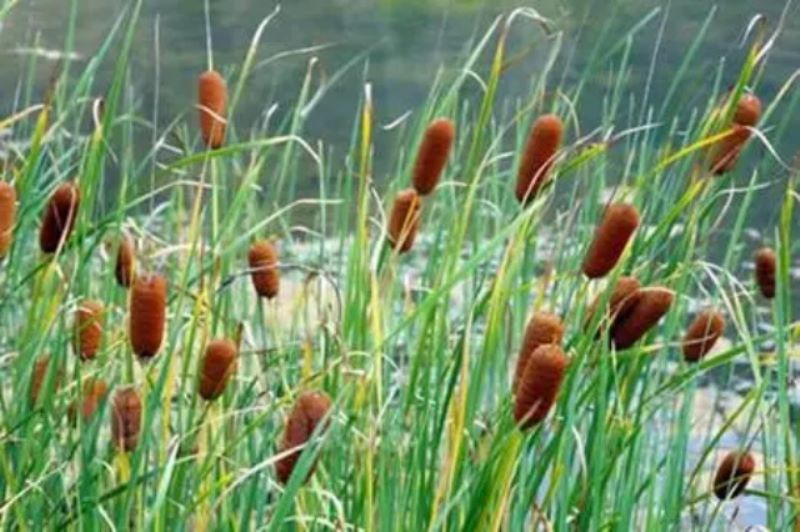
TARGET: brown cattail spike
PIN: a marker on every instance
(610, 239)
(59, 217)
(219, 363)
(89, 320)
(765, 271)
(432, 155)
(125, 268)
(702, 334)
(263, 259)
(41, 373)
(726, 152)
(126, 419)
(748, 110)
(651, 305)
(404, 220)
(309, 410)
(148, 314)
(539, 385)
(8, 215)
(619, 303)
(539, 156)
(543, 328)
(212, 96)
(94, 392)
(733, 474)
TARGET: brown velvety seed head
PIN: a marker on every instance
(219, 363)
(727, 150)
(8, 216)
(263, 260)
(124, 269)
(89, 320)
(212, 95)
(748, 110)
(126, 419)
(538, 388)
(94, 391)
(765, 271)
(702, 334)
(148, 314)
(309, 410)
(432, 155)
(59, 217)
(610, 239)
(404, 220)
(619, 303)
(538, 157)
(39, 376)
(543, 328)
(733, 474)
(651, 305)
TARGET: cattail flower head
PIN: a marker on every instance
(538, 388)
(543, 328)
(59, 217)
(432, 155)
(89, 320)
(263, 260)
(94, 392)
(733, 474)
(539, 156)
(619, 303)
(651, 305)
(765, 271)
(726, 151)
(702, 334)
(212, 96)
(8, 215)
(125, 268)
(404, 220)
(41, 369)
(219, 363)
(126, 419)
(309, 410)
(148, 314)
(748, 110)
(610, 239)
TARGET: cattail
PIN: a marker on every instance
(538, 157)
(748, 110)
(59, 217)
(432, 155)
(148, 313)
(94, 392)
(8, 215)
(765, 271)
(610, 239)
(404, 220)
(41, 368)
(543, 328)
(212, 95)
(619, 304)
(726, 152)
(539, 385)
(650, 306)
(263, 259)
(702, 334)
(309, 410)
(219, 364)
(733, 474)
(126, 419)
(124, 270)
(89, 320)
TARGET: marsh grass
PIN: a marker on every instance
(418, 351)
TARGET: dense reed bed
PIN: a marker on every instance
(532, 320)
